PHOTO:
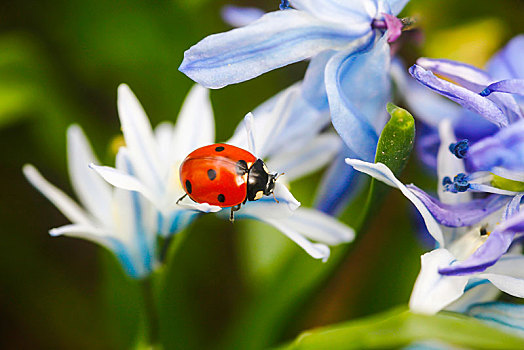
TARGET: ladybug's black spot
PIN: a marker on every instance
(189, 188)
(211, 174)
(219, 149)
(241, 167)
(221, 198)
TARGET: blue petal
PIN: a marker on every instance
(462, 96)
(462, 214)
(237, 16)
(357, 85)
(511, 86)
(507, 63)
(471, 126)
(502, 314)
(473, 79)
(339, 185)
(466, 75)
(490, 252)
(313, 86)
(504, 149)
(275, 40)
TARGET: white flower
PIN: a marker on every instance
(284, 132)
(122, 221)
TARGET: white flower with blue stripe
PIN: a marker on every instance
(284, 131)
(122, 221)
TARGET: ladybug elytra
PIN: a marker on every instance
(225, 176)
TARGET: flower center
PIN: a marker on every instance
(392, 24)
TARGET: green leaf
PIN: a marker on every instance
(396, 140)
(394, 147)
(400, 328)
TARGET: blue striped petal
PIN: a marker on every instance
(275, 40)
(468, 99)
(461, 214)
(508, 316)
(352, 115)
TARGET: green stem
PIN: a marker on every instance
(150, 311)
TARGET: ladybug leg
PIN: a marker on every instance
(233, 210)
(179, 199)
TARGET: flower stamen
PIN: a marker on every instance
(459, 149)
(459, 184)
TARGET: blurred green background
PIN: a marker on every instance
(61, 62)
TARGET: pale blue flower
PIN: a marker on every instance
(285, 132)
(122, 221)
(348, 75)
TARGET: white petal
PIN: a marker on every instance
(384, 174)
(320, 227)
(93, 192)
(64, 203)
(432, 291)
(271, 125)
(311, 157)
(164, 135)
(507, 274)
(449, 165)
(316, 250)
(88, 232)
(249, 124)
(265, 209)
(195, 125)
(203, 207)
(282, 193)
(124, 181)
(139, 138)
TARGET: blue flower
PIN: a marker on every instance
(284, 132)
(348, 75)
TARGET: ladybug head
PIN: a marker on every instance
(259, 181)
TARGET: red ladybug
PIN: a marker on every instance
(226, 176)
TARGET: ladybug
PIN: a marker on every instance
(225, 176)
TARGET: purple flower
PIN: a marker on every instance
(474, 236)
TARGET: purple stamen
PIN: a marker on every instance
(392, 24)
(460, 148)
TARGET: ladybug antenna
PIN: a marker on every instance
(275, 178)
(275, 197)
